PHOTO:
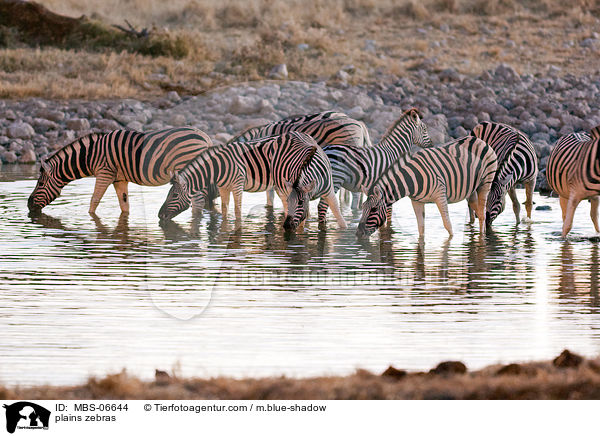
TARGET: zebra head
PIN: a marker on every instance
(298, 203)
(496, 200)
(418, 129)
(373, 213)
(178, 199)
(47, 189)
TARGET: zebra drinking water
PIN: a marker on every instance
(326, 128)
(117, 158)
(517, 163)
(463, 169)
(573, 172)
(292, 163)
(357, 167)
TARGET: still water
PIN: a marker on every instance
(83, 296)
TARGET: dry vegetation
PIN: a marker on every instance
(205, 43)
(567, 377)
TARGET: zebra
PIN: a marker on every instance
(573, 172)
(462, 169)
(117, 158)
(357, 167)
(517, 162)
(277, 161)
(325, 127)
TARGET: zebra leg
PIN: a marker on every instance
(270, 197)
(563, 206)
(237, 202)
(331, 200)
(529, 187)
(198, 202)
(482, 195)
(472, 202)
(224, 193)
(594, 212)
(322, 208)
(515, 202)
(356, 200)
(123, 195)
(419, 209)
(568, 224)
(283, 198)
(442, 204)
(388, 216)
(103, 180)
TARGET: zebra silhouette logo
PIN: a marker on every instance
(26, 415)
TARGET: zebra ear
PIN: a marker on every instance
(377, 192)
(595, 132)
(414, 113)
(179, 178)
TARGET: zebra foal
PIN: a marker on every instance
(463, 169)
(117, 158)
(573, 172)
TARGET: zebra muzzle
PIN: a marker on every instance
(288, 224)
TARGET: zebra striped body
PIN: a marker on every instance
(325, 128)
(117, 158)
(573, 172)
(463, 169)
(356, 167)
(251, 166)
(517, 163)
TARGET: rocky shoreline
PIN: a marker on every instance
(568, 376)
(544, 106)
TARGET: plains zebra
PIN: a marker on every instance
(117, 158)
(517, 162)
(356, 167)
(325, 128)
(463, 169)
(253, 166)
(573, 172)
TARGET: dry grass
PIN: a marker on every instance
(228, 41)
(544, 380)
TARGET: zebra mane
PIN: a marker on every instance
(513, 142)
(405, 114)
(65, 147)
(305, 164)
(595, 132)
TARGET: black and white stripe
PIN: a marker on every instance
(517, 163)
(290, 163)
(573, 172)
(357, 168)
(117, 158)
(463, 169)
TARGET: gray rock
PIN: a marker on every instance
(135, 125)
(20, 130)
(173, 97)
(241, 105)
(460, 132)
(52, 115)
(279, 72)
(223, 137)
(450, 75)
(4, 140)
(177, 120)
(528, 127)
(470, 121)
(356, 112)
(78, 124)
(107, 125)
(9, 157)
(27, 157)
(454, 122)
(302, 46)
(342, 75)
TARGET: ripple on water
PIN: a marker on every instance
(82, 296)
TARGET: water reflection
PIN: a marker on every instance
(86, 290)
